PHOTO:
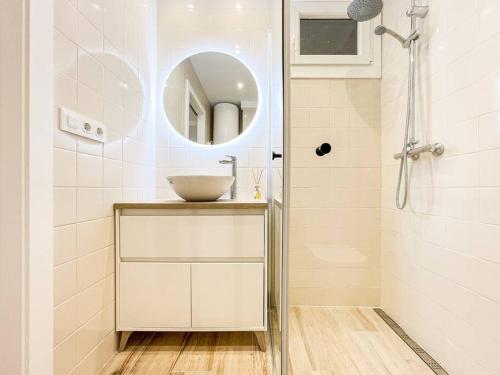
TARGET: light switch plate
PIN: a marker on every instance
(82, 126)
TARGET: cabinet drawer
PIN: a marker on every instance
(227, 295)
(238, 236)
(154, 295)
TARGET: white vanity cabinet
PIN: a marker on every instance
(191, 267)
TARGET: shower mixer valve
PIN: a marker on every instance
(437, 149)
(413, 143)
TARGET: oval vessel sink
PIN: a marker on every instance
(200, 188)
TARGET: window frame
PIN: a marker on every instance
(366, 64)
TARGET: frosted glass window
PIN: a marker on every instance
(331, 36)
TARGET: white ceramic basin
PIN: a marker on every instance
(200, 188)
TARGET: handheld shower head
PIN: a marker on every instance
(381, 30)
(364, 10)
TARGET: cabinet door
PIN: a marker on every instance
(154, 295)
(228, 295)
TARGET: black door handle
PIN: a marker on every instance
(277, 156)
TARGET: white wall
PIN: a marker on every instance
(12, 190)
(105, 67)
(335, 199)
(441, 255)
(238, 28)
(26, 187)
(39, 258)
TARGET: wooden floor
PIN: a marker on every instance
(347, 341)
(210, 353)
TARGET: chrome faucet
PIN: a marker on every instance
(234, 162)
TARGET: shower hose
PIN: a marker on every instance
(403, 178)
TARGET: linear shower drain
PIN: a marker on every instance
(424, 356)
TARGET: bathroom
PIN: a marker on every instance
(250, 187)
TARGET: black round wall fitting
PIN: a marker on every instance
(324, 149)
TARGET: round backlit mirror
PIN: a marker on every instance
(210, 98)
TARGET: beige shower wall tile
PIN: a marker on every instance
(348, 277)
(334, 217)
(354, 237)
(341, 296)
(355, 178)
(335, 220)
(323, 257)
(316, 197)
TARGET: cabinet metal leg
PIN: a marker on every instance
(261, 340)
(124, 336)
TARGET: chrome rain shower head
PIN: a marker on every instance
(364, 10)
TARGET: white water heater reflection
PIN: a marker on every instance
(226, 122)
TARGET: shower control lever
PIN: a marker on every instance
(437, 149)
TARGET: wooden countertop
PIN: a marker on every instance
(180, 204)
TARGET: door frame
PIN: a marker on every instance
(191, 100)
(286, 8)
(26, 203)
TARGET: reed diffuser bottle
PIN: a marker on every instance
(257, 177)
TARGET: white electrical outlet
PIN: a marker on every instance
(75, 123)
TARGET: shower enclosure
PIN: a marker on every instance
(332, 245)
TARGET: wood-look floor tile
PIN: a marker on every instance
(323, 341)
(197, 353)
(347, 341)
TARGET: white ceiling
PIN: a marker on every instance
(220, 74)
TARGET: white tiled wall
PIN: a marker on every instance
(240, 28)
(441, 255)
(104, 61)
(335, 199)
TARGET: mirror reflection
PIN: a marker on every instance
(210, 98)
